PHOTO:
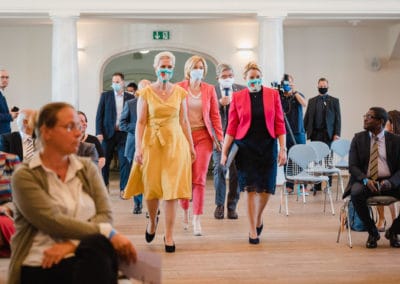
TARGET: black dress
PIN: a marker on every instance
(256, 160)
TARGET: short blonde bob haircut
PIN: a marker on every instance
(161, 55)
(251, 66)
(191, 62)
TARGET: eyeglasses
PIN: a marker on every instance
(369, 116)
(4, 77)
(71, 126)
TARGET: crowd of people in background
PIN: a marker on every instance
(165, 135)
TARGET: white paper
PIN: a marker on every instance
(147, 268)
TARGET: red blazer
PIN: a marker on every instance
(210, 109)
(240, 113)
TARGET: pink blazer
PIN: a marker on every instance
(210, 108)
(240, 113)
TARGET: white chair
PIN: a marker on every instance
(340, 157)
(299, 170)
(324, 164)
(344, 218)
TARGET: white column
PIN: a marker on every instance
(65, 59)
(270, 52)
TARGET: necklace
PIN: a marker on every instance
(194, 96)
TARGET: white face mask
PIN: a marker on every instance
(196, 75)
(226, 83)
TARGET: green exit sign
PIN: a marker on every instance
(161, 35)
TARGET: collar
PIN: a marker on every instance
(117, 95)
(25, 136)
(379, 136)
(74, 163)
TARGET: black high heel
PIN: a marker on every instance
(150, 237)
(169, 248)
(259, 229)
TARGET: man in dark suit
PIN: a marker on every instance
(128, 124)
(322, 120)
(107, 127)
(224, 89)
(369, 178)
(6, 116)
(20, 142)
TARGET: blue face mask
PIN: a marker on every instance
(165, 74)
(254, 85)
(196, 75)
(286, 88)
(116, 87)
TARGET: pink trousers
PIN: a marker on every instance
(203, 146)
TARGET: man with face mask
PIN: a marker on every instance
(107, 127)
(322, 119)
(224, 89)
(292, 104)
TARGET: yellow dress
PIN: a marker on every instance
(166, 169)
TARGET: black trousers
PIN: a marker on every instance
(95, 261)
(359, 196)
(322, 136)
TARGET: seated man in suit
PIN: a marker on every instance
(21, 142)
(374, 165)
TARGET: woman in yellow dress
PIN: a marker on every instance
(163, 149)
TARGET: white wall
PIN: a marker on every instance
(339, 53)
(343, 55)
(25, 51)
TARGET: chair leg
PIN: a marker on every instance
(328, 192)
(348, 225)
(303, 190)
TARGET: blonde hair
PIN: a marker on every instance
(251, 66)
(191, 62)
(163, 54)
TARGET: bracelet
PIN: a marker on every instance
(112, 233)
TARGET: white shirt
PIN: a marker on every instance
(119, 105)
(72, 201)
(383, 168)
(24, 137)
(229, 92)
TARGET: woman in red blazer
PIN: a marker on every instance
(205, 124)
(255, 125)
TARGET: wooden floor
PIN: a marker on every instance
(300, 248)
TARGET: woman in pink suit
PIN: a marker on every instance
(205, 124)
(255, 124)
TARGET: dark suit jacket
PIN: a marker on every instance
(128, 124)
(359, 158)
(12, 143)
(106, 116)
(333, 119)
(224, 110)
(5, 116)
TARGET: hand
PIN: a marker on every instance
(386, 185)
(193, 154)
(101, 162)
(124, 248)
(218, 146)
(56, 253)
(282, 157)
(138, 157)
(371, 185)
(100, 137)
(4, 210)
(224, 101)
(223, 159)
(336, 137)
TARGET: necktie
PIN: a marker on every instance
(29, 148)
(373, 161)
(226, 92)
